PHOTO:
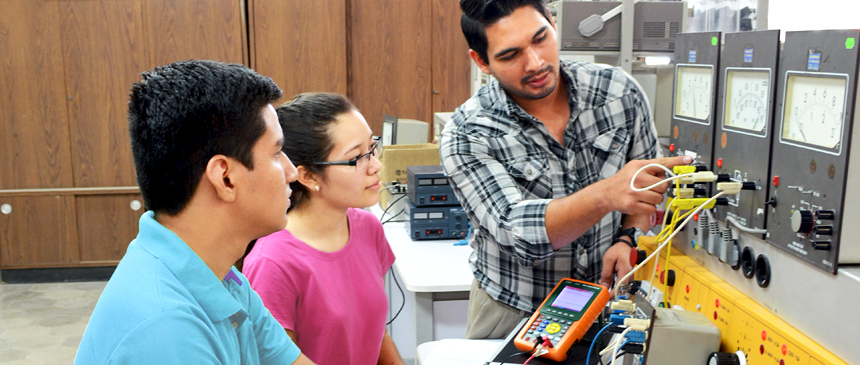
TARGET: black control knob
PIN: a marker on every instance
(825, 215)
(748, 185)
(723, 358)
(823, 230)
(668, 277)
(801, 221)
(821, 245)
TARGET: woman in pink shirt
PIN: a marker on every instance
(322, 276)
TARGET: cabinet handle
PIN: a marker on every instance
(135, 205)
(5, 209)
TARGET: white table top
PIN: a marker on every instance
(428, 265)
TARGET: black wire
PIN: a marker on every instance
(402, 295)
(391, 205)
(520, 353)
(600, 358)
(390, 219)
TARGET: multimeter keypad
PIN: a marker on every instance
(553, 326)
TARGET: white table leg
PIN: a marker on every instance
(423, 317)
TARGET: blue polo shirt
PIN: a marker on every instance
(163, 305)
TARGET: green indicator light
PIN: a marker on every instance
(849, 43)
(714, 41)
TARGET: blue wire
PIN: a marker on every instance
(596, 338)
(465, 241)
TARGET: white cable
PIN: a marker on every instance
(667, 240)
(738, 225)
(668, 171)
(661, 182)
(617, 344)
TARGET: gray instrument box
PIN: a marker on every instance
(813, 154)
(697, 58)
(744, 123)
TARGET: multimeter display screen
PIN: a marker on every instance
(572, 299)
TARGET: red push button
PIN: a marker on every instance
(719, 162)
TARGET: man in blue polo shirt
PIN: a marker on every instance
(207, 151)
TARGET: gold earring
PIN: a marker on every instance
(317, 187)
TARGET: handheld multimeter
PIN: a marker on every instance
(564, 316)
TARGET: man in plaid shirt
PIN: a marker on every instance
(541, 159)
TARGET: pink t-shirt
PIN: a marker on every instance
(335, 302)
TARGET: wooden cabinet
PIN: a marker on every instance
(300, 44)
(66, 69)
(37, 230)
(106, 224)
(34, 125)
(403, 58)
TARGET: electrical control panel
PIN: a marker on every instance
(745, 110)
(812, 160)
(697, 57)
(433, 222)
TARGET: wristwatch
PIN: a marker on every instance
(632, 232)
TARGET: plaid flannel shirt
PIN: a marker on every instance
(506, 167)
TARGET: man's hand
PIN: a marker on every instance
(616, 260)
(623, 199)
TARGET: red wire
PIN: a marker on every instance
(530, 359)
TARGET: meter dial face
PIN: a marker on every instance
(746, 100)
(814, 109)
(693, 92)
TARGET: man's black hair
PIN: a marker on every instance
(182, 114)
(480, 14)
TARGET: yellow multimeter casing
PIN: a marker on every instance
(564, 316)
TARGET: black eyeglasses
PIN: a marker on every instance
(362, 161)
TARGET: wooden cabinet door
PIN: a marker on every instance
(103, 53)
(34, 129)
(389, 65)
(300, 44)
(178, 30)
(38, 232)
(451, 62)
(106, 225)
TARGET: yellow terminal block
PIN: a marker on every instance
(684, 169)
(692, 203)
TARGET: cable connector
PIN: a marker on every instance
(618, 318)
(623, 305)
(636, 336)
(684, 169)
(730, 187)
(546, 342)
(637, 324)
(704, 176)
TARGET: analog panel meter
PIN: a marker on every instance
(746, 100)
(814, 110)
(694, 92)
